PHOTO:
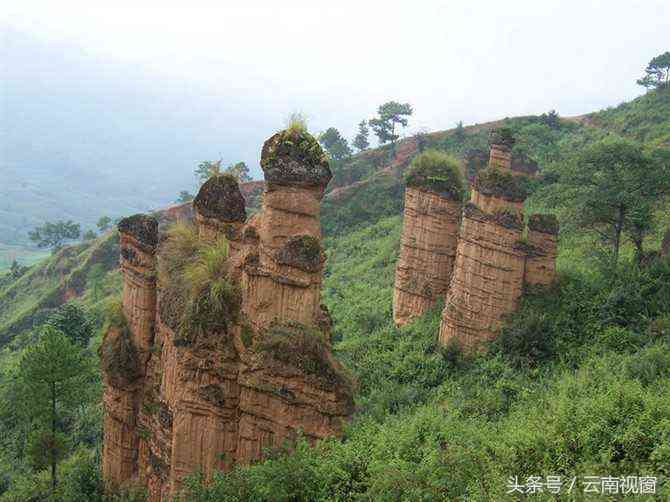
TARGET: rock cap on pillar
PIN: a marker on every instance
(502, 138)
(220, 198)
(143, 228)
(293, 157)
(501, 142)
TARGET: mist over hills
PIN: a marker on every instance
(82, 137)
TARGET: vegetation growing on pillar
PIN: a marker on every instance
(303, 252)
(498, 183)
(197, 293)
(118, 354)
(304, 348)
(546, 223)
(436, 172)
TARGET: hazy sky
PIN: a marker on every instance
(336, 61)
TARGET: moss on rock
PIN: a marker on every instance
(302, 252)
(497, 183)
(436, 172)
(220, 198)
(306, 349)
(294, 157)
(142, 227)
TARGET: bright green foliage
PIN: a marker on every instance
(657, 72)
(54, 235)
(335, 144)
(195, 279)
(437, 172)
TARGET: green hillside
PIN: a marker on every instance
(576, 384)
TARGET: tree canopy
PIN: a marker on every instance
(389, 115)
(361, 141)
(55, 234)
(335, 144)
(657, 72)
(611, 188)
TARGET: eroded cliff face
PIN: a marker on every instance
(214, 394)
(494, 261)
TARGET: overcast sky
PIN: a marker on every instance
(336, 61)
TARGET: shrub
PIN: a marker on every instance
(497, 183)
(437, 172)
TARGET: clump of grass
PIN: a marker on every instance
(194, 274)
(502, 136)
(437, 172)
(296, 124)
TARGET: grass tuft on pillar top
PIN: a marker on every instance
(436, 172)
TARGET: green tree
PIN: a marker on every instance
(459, 132)
(95, 279)
(89, 235)
(206, 169)
(72, 319)
(335, 144)
(361, 141)
(389, 115)
(657, 72)
(240, 171)
(54, 235)
(16, 270)
(50, 374)
(612, 188)
(103, 223)
(184, 196)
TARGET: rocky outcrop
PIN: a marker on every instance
(493, 259)
(229, 366)
(429, 237)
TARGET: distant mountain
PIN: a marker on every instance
(80, 137)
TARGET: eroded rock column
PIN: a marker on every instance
(289, 380)
(487, 281)
(429, 237)
(126, 348)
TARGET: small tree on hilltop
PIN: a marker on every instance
(657, 72)
(459, 132)
(240, 171)
(54, 235)
(361, 141)
(184, 196)
(389, 116)
(335, 144)
(104, 223)
(206, 169)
